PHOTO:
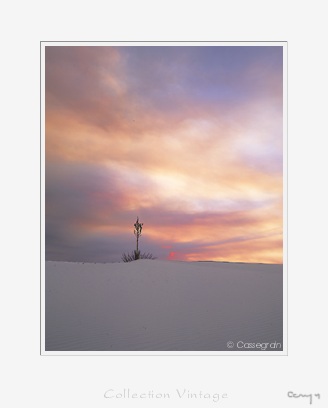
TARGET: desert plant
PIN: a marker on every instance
(137, 233)
(135, 255)
(129, 257)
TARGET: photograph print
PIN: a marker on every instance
(163, 168)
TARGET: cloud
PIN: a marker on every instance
(189, 138)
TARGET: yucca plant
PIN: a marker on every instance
(135, 255)
(132, 256)
(137, 232)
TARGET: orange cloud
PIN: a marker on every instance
(203, 174)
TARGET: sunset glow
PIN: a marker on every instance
(188, 138)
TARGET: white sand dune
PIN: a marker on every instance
(151, 305)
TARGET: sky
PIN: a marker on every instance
(187, 138)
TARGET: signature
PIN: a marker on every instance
(292, 394)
